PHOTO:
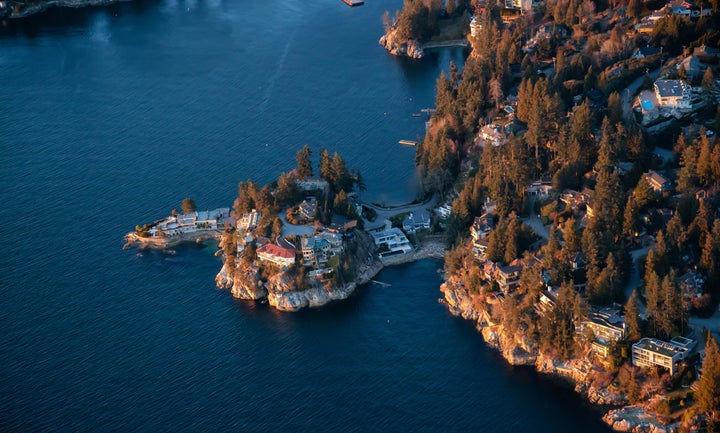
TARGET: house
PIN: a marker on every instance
(391, 241)
(248, 221)
(643, 52)
(606, 326)
(314, 250)
(691, 285)
(191, 223)
(493, 134)
(658, 182)
(672, 93)
(311, 185)
(482, 226)
(650, 351)
(522, 5)
(415, 221)
(308, 209)
(573, 198)
(706, 54)
(507, 277)
(577, 261)
(540, 188)
(280, 256)
(692, 66)
(547, 300)
(479, 248)
(475, 27)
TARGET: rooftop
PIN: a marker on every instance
(667, 88)
(661, 347)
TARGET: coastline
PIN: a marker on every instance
(278, 295)
(622, 416)
(159, 243)
(35, 9)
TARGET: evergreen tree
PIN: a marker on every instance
(304, 168)
(326, 172)
(615, 108)
(632, 318)
(708, 393)
(188, 205)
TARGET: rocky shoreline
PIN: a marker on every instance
(623, 417)
(159, 243)
(43, 5)
(280, 295)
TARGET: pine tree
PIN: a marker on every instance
(326, 165)
(708, 393)
(632, 317)
(304, 168)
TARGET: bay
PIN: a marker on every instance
(109, 117)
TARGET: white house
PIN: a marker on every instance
(391, 241)
(248, 221)
(649, 352)
(283, 257)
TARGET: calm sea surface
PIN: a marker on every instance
(108, 118)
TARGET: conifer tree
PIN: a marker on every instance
(632, 317)
(304, 168)
(708, 393)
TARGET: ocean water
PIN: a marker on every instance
(109, 117)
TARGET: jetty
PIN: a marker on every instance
(352, 3)
(408, 142)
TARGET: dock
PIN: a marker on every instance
(408, 142)
(352, 3)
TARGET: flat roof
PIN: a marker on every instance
(659, 346)
(670, 87)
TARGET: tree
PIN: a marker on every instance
(634, 9)
(615, 108)
(188, 205)
(304, 168)
(632, 317)
(708, 392)
(325, 165)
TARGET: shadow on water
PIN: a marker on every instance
(57, 20)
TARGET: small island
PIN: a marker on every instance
(299, 242)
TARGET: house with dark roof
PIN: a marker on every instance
(672, 93)
(417, 220)
(643, 52)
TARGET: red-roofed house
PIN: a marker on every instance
(283, 257)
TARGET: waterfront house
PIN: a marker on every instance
(415, 221)
(280, 256)
(606, 326)
(479, 248)
(312, 185)
(507, 277)
(308, 209)
(482, 226)
(658, 182)
(191, 223)
(249, 221)
(672, 93)
(391, 241)
(650, 351)
(315, 250)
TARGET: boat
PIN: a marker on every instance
(408, 142)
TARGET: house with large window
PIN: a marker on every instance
(280, 256)
(649, 352)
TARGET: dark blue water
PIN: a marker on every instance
(108, 118)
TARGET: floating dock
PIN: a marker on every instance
(408, 142)
(352, 3)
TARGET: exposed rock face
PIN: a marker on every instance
(397, 47)
(41, 6)
(244, 284)
(294, 300)
(636, 420)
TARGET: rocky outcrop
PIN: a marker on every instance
(158, 243)
(401, 47)
(244, 283)
(26, 10)
(636, 420)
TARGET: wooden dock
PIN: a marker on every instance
(352, 3)
(408, 142)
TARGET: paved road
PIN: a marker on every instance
(634, 281)
(389, 212)
(536, 223)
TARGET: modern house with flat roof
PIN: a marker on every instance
(248, 221)
(606, 326)
(649, 352)
(391, 241)
(673, 93)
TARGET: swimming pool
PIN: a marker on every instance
(647, 105)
